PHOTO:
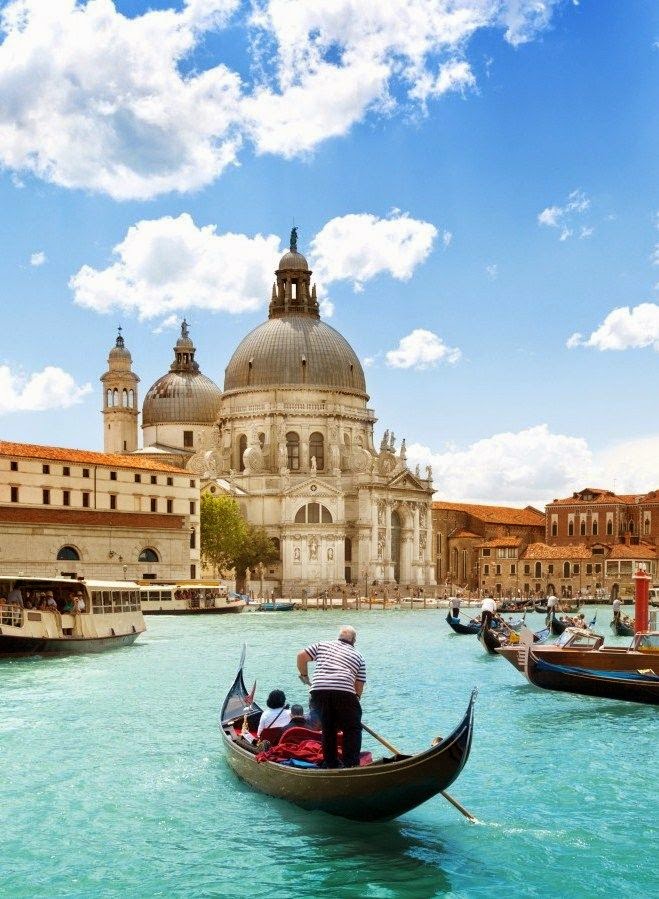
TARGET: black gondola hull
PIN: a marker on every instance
(456, 625)
(591, 682)
(621, 630)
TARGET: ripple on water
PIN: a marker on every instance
(115, 784)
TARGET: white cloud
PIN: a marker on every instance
(422, 349)
(169, 264)
(37, 259)
(492, 271)
(563, 217)
(623, 329)
(94, 99)
(359, 247)
(631, 465)
(169, 323)
(528, 467)
(447, 238)
(326, 308)
(51, 388)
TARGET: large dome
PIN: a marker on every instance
(295, 349)
(183, 395)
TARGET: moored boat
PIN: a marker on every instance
(556, 625)
(62, 616)
(275, 606)
(580, 663)
(187, 598)
(460, 628)
(379, 791)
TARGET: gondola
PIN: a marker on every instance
(456, 625)
(557, 626)
(631, 686)
(379, 791)
(540, 609)
(622, 630)
(276, 606)
(490, 640)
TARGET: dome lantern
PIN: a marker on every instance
(292, 292)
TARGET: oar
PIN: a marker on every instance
(395, 751)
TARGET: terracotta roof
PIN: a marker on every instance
(495, 514)
(84, 457)
(601, 497)
(464, 533)
(640, 551)
(502, 542)
(90, 518)
(543, 551)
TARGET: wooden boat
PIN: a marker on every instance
(110, 616)
(620, 629)
(379, 791)
(493, 641)
(188, 598)
(456, 625)
(275, 606)
(581, 664)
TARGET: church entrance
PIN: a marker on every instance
(395, 545)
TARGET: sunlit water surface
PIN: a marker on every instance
(114, 782)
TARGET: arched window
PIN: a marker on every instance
(631, 527)
(595, 527)
(124, 398)
(131, 399)
(276, 543)
(348, 549)
(293, 450)
(242, 446)
(108, 397)
(115, 397)
(313, 513)
(68, 554)
(554, 529)
(261, 440)
(566, 569)
(646, 526)
(582, 528)
(570, 528)
(148, 555)
(317, 449)
(609, 527)
(538, 569)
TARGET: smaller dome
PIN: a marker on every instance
(119, 350)
(293, 261)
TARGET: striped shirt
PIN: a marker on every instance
(338, 666)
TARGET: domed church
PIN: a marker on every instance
(291, 436)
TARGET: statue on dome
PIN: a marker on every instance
(392, 443)
(403, 451)
(185, 330)
(384, 443)
(293, 243)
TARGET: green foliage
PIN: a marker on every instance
(223, 531)
(227, 541)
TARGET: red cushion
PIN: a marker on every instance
(297, 734)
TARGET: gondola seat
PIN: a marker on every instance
(272, 734)
(297, 734)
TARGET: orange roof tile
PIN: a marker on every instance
(495, 514)
(502, 542)
(543, 551)
(640, 551)
(601, 497)
(61, 454)
(464, 533)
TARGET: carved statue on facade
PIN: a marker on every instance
(282, 455)
(296, 554)
(330, 554)
(417, 470)
(335, 457)
(429, 472)
(422, 546)
(382, 538)
(384, 443)
(403, 451)
(313, 548)
(313, 466)
(392, 443)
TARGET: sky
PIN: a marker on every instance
(474, 183)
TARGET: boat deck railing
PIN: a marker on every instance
(11, 615)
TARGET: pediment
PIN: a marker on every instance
(406, 480)
(313, 488)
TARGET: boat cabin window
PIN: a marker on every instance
(106, 601)
(579, 640)
(648, 643)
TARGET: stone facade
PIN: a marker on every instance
(459, 530)
(96, 514)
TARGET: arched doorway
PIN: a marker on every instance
(615, 590)
(395, 544)
(551, 590)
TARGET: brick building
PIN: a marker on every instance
(115, 516)
(460, 529)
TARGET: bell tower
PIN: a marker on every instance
(119, 401)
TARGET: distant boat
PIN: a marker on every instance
(456, 625)
(276, 606)
(622, 630)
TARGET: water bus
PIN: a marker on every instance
(187, 598)
(62, 616)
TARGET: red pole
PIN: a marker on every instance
(641, 601)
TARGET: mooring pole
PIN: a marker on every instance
(641, 600)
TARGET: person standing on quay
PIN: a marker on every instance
(338, 682)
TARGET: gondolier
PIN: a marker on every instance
(488, 611)
(338, 681)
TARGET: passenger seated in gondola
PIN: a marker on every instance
(297, 718)
(276, 714)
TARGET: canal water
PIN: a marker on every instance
(114, 784)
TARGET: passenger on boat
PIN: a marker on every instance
(338, 682)
(15, 596)
(80, 603)
(488, 611)
(297, 717)
(276, 714)
(69, 604)
(51, 605)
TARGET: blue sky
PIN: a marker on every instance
(489, 185)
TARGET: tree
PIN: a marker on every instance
(223, 531)
(256, 547)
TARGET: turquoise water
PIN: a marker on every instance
(114, 783)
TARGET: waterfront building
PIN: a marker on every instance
(101, 515)
(461, 529)
(594, 516)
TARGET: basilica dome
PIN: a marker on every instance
(184, 395)
(294, 347)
